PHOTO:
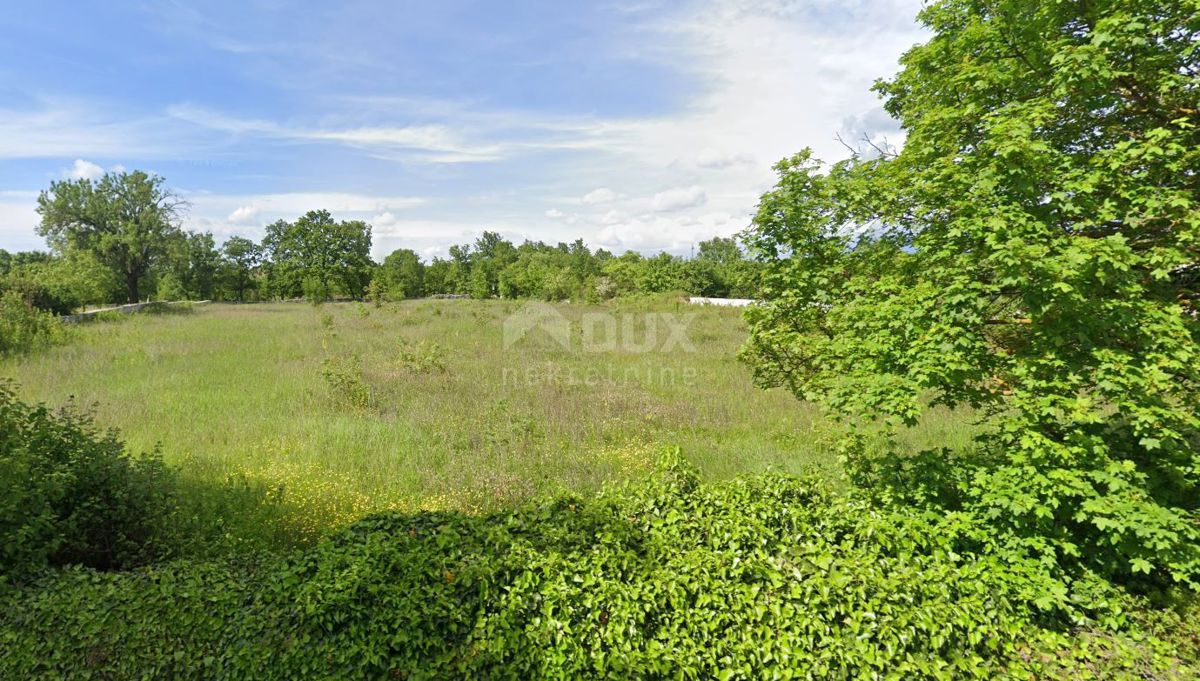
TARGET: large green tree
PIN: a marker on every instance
(318, 255)
(239, 258)
(1032, 252)
(127, 220)
(402, 274)
(192, 263)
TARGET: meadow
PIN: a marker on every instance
(324, 414)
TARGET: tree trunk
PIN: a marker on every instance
(131, 288)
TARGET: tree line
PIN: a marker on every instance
(118, 239)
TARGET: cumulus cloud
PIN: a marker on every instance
(244, 215)
(676, 234)
(84, 170)
(678, 198)
(384, 219)
(598, 196)
(555, 214)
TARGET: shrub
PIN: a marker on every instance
(755, 578)
(24, 328)
(39, 295)
(343, 376)
(421, 357)
(375, 293)
(316, 290)
(70, 494)
(170, 288)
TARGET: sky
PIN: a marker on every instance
(633, 124)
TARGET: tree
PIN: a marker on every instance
(60, 284)
(319, 256)
(193, 261)
(239, 258)
(1032, 252)
(490, 255)
(401, 275)
(439, 277)
(126, 220)
(720, 251)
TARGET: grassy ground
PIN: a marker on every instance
(332, 412)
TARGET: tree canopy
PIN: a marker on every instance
(1032, 253)
(316, 256)
(126, 220)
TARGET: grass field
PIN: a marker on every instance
(333, 412)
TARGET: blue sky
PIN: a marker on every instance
(635, 124)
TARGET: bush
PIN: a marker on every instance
(24, 328)
(421, 357)
(71, 495)
(170, 288)
(39, 295)
(343, 376)
(755, 578)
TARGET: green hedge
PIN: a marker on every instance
(766, 577)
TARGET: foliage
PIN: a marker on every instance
(193, 261)
(36, 293)
(125, 220)
(317, 256)
(240, 258)
(1030, 253)
(401, 275)
(343, 376)
(59, 284)
(71, 495)
(754, 578)
(421, 357)
(170, 288)
(24, 328)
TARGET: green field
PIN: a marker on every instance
(453, 418)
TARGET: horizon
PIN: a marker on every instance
(624, 124)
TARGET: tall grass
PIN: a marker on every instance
(322, 415)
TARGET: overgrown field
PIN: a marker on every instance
(324, 414)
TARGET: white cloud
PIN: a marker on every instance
(712, 159)
(422, 143)
(84, 170)
(613, 217)
(61, 129)
(678, 198)
(228, 214)
(294, 204)
(244, 215)
(598, 196)
(676, 234)
(766, 78)
(18, 220)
